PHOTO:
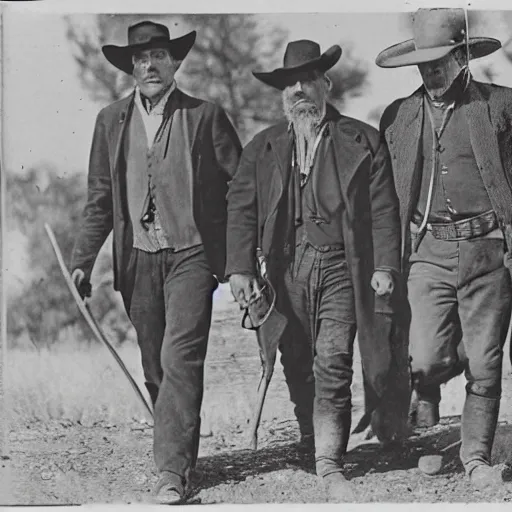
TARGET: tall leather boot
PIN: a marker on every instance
(479, 421)
(302, 395)
(424, 409)
(332, 432)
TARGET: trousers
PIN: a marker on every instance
(460, 296)
(317, 348)
(171, 311)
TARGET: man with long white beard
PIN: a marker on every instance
(450, 143)
(315, 193)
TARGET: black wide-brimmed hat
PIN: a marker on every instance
(300, 56)
(145, 35)
(436, 32)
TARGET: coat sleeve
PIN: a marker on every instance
(97, 215)
(243, 215)
(385, 212)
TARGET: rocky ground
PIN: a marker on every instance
(69, 461)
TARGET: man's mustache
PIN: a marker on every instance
(298, 97)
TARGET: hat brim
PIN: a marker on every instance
(121, 56)
(281, 78)
(406, 54)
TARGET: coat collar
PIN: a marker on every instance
(350, 145)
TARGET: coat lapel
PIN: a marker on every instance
(282, 146)
(403, 137)
(350, 152)
(484, 141)
(120, 127)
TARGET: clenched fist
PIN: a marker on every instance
(383, 282)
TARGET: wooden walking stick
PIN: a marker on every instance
(91, 321)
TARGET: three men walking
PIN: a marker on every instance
(339, 212)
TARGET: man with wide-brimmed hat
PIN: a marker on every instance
(450, 143)
(316, 190)
(159, 168)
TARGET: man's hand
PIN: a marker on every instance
(383, 282)
(245, 289)
(82, 285)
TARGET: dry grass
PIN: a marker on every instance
(76, 382)
(72, 383)
(79, 383)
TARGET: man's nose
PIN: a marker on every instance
(298, 86)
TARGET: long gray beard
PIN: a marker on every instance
(305, 120)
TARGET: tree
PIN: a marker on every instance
(45, 308)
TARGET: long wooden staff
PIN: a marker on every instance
(91, 321)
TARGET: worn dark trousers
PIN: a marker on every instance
(171, 311)
(317, 350)
(459, 291)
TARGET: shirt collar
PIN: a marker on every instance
(158, 109)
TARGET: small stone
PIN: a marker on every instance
(46, 475)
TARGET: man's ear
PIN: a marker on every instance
(329, 82)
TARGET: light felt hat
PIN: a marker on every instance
(436, 33)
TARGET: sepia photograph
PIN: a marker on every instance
(255, 257)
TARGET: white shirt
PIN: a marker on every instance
(152, 119)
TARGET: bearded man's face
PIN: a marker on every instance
(439, 75)
(305, 99)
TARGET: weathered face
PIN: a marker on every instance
(154, 72)
(306, 97)
(439, 75)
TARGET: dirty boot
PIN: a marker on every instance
(337, 488)
(332, 431)
(170, 489)
(479, 421)
(424, 409)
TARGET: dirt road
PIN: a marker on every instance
(67, 461)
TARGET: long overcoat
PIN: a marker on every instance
(215, 150)
(370, 222)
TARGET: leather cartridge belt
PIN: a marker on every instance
(464, 229)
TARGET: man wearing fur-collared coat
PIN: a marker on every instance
(451, 149)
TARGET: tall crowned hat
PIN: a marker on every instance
(300, 57)
(436, 32)
(146, 35)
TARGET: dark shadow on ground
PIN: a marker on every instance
(238, 465)
(372, 457)
(377, 458)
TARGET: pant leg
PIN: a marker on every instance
(333, 303)
(189, 287)
(147, 314)
(435, 326)
(296, 345)
(485, 299)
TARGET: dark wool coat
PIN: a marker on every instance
(488, 110)
(370, 220)
(215, 151)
